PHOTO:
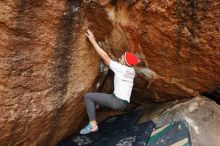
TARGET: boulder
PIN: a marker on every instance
(201, 114)
(177, 40)
(47, 65)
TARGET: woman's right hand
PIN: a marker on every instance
(90, 36)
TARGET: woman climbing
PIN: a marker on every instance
(123, 84)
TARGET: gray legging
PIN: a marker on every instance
(108, 100)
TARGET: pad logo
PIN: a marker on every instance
(127, 141)
(81, 140)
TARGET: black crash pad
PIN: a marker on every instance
(107, 126)
(134, 136)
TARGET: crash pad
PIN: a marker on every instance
(110, 124)
(134, 136)
(172, 134)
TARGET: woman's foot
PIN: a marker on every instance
(89, 128)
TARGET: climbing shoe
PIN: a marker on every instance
(89, 128)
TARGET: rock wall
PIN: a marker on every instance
(47, 64)
(178, 40)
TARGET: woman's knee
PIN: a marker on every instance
(119, 107)
(87, 96)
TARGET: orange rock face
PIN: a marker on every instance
(178, 40)
(47, 64)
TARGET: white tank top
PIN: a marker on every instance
(123, 80)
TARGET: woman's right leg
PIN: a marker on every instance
(90, 100)
(100, 98)
(107, 100)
